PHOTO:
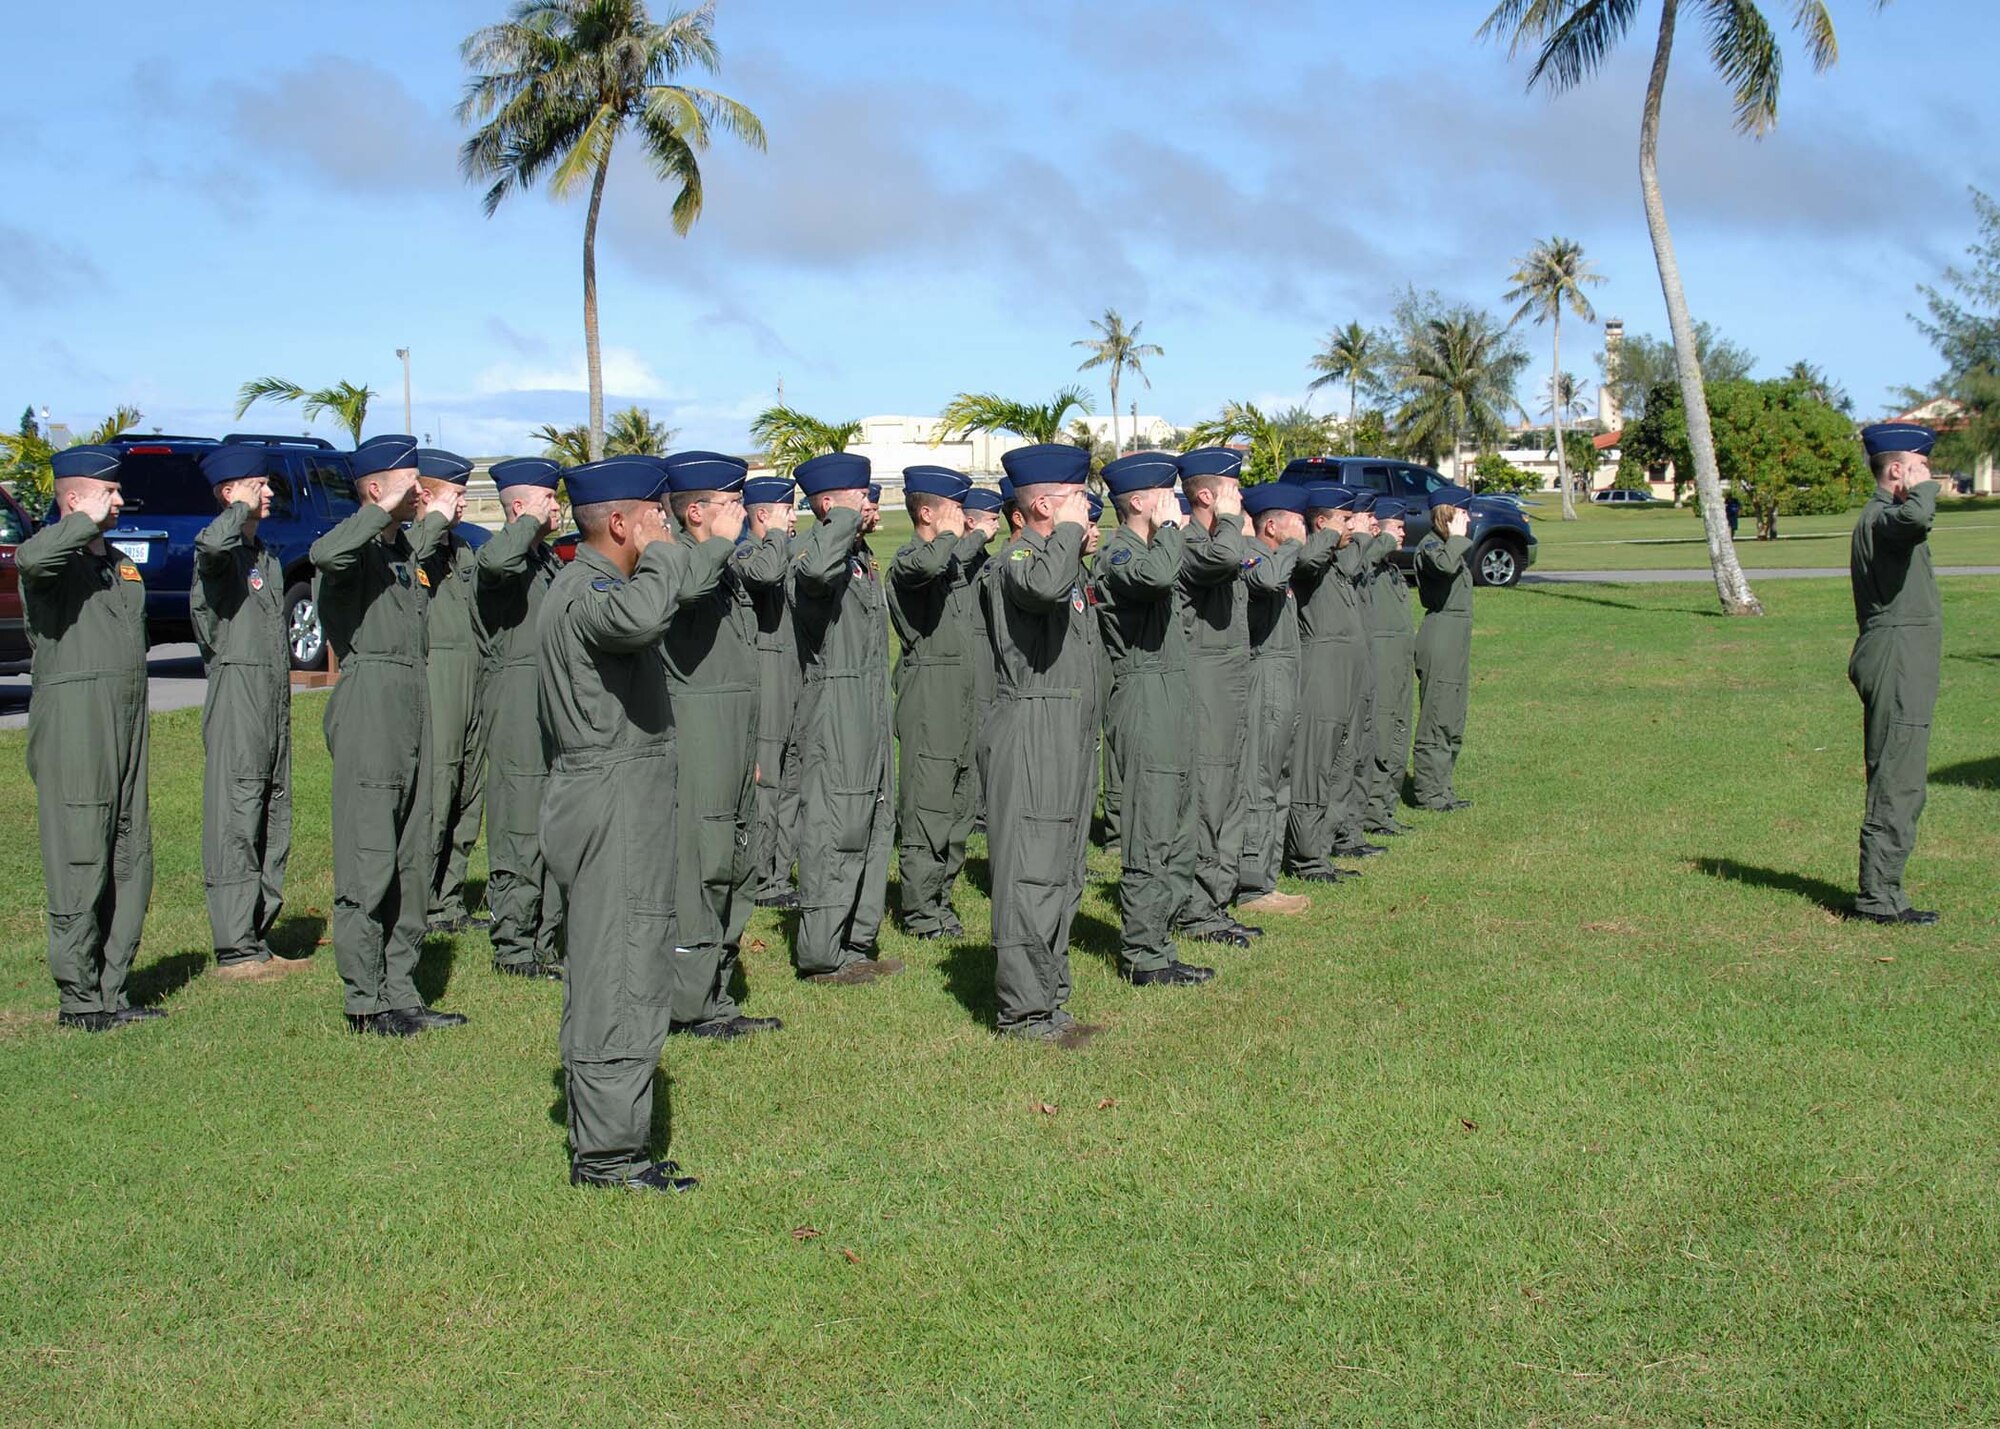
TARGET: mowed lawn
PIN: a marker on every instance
(1664, 538)
(1581, 1107)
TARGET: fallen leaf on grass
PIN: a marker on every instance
(852, 1258)
(323, 943)
(1885, 959)
(805, 1232)
(1622, 929)
(1045, 1108)
(1107, 1103)
(758, 945)
(1468, 1125)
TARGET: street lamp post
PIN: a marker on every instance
(404, 353)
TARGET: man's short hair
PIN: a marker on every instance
(922, 503)
(681, 500)
(592, 520)
(1881, 463)
(1210, 482)
(1123, 501)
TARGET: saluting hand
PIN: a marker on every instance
(96, 504)
(1460, 524)
(726, 520)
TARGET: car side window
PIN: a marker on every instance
(336, 483)
(283, 507)
(13, 530)
(1375, 478)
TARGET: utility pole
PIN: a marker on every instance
(404, 353)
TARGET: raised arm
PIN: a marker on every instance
(1318, 552)
(216, 547)
(703, 573)
(1273, 569)
(760, 564)
(1150, 572)
(1041, 578)
(427, 534)
(1217, 558)
(921, 562)
(43, 555)
(339, 551)
(508, 553)
(826, 552)
(1907, 522)
(623, 616)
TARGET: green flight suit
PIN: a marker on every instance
(1271, 731)
(1215, 606)
(1444, 665)
(1357, 758)
(845, 817)
(1393, 640)
(1894, 668)
(372, 606)
(458, 711)
(511, 582)
(237, 606)
(1330, 661)
(87, 745)
(984, 677)
(931, 604)
(1151, 737)
(1038, 750)
(774, 842)
(608, 834)
(715, 683)
(1113, 788)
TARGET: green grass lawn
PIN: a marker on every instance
(1662, 538)
(1581, 1107)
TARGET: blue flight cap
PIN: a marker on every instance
(767, 491)
(1047, 464)
(1095, 503)
(1898, 437)
(704, 471)
(616, 478)
(1274, 496)
(232, 464)
(835, 471)
(980, 499)
(1006, 492)
(1389, 508)
(1211, 461)
(1306, 470)
(526, 471)
(936, 481)
(1449, 496)
(435, 464)
(875, 492)
(1187, 506)
(380, 454)
(1328, 496)
(1364, 498)
(1141, 471)
(99, 463)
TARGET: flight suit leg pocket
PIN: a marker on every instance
(373, 820)
(850, 815)
(86, 856)
(722, 851)
(1152, 809)
(1047, 855)
(649, 957)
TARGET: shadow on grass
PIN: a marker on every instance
(1971, 773)
(475, 894)
(978, 871)
(1829, 896)
(163, 977)
(1978, 657)
(1551, 592)
(434, 964)
(968, 977)
(298, 935)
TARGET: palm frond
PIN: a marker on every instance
(1576, 48)
(266, 389)
(1745, 52)
(568, 445)
(790, 436)
(1814, 22)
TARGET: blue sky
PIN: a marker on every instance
(227, 190)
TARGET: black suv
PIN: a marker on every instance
(168, 500)
(1502, 545)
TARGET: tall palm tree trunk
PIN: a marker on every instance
(1115, 448)
(1730, 586)
(1353, 446)
(592, 358)
(1556, 403)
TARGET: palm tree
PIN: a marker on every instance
(346, 403)
(1354, 355)
(568, 445)
(122, 420)
(633, 432)
(986, 412)
(789, 436)
(1572, 39)
(556, 84)
(1122, 352)
(1274, 438)
(1564, 392)
(1819, 386)
(1456, 373)
(1550, 278)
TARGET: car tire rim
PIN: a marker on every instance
(1498, 567)
(308, 640)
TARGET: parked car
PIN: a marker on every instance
(168, 500)
(15, 527)
(1503, 546)
(1619, 496)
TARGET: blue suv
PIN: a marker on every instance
(1502, 545)
(168, 500)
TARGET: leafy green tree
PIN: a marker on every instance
(28, 454)
(123, 419)
(789, 436)
(1785, 452)
(1355, 355)
(555, 85)
(346, 403)
(1645, 362)
(1551, 277)
(1454, 373)
(1117, 348)
(1100, 449)
(970, 412)
(1572, 40)
(1274, 438)
(1821, 387)
(568, 445)
(1964, 325)
(1369, 435)
(633, 432)
(1493, 472)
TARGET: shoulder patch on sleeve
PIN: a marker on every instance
(604, 583)
(1120, 556)
(1019, 553)
(1252, 562)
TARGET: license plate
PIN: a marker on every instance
(134, 551)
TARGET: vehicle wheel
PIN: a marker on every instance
(1496, 563)
(303, 632)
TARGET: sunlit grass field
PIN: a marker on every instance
(1582, 1106)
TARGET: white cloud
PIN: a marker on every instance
(626, 374)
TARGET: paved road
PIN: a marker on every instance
(174, 682)
(1704, 575)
